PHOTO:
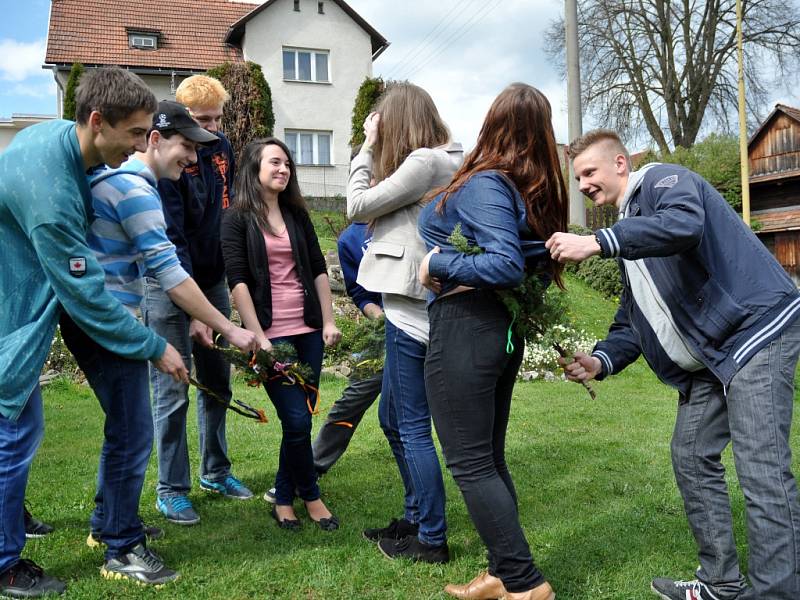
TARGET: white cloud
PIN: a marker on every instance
(35, 89)
(22, 60)
(470, 60)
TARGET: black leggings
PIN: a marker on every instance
(469, 378)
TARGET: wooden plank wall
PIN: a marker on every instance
(777, 148)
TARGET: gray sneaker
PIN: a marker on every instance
(230, 487)
(670, 589)
(26, 579)
(177, 509)
(140, 564)
(269, 496)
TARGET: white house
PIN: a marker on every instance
(10, 127)
(314, 55)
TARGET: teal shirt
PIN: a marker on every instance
(46, 264)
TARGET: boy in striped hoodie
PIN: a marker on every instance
(127, 234)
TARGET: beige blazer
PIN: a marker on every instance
(391, 264)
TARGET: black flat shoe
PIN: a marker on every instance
(330, 524)
(290, 524)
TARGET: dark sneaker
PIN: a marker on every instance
(411, 547)
(34, 528)
(141, 565)
(395, 530)
(269, 495)
(177, 509)
(26, 579)
(669, 589)
(230, 487)
(150, 532)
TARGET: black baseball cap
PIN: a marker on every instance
(174, 116)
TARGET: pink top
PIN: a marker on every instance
(288, 295)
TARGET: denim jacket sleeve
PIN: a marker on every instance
(489, 211)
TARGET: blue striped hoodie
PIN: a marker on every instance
(128, 232)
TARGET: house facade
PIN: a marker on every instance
(774, 160)
(314, 55)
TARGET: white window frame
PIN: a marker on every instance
(313, 53)
(136, 40)
(315, 146)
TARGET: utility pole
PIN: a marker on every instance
(743, 158)
(577, 212)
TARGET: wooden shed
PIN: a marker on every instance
(774, 157)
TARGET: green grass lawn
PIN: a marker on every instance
(328, 224)
(597, 500)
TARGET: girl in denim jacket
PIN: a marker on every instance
(508, 196)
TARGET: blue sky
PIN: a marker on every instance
(24, 86)
(479, 47)
(462, 51)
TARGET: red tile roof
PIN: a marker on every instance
(191, 32)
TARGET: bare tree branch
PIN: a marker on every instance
(668, 67)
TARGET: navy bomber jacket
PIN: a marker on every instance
(193, 208)
(727, 294)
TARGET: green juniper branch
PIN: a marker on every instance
(535, 308)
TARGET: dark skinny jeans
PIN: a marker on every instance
(469, 378)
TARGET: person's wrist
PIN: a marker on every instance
(599, 249)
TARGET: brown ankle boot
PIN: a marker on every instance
(540, 592)
(483, 587)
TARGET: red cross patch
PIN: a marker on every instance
(77, 266)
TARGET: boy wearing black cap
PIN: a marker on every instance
(193, 208)
(128, 237)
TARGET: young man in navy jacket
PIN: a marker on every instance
(715, 316)
(193, 210)
(358, 396)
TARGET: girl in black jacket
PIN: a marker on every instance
(277, 275)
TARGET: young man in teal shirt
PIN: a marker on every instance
(44, 206)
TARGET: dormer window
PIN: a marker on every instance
(143, 41)
(321, 8)
(297, 5)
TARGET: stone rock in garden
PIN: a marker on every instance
(335, 272)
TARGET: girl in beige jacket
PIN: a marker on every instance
(407, 153)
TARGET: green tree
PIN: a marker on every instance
(368, 94)
(72, 85)
(716, 159)
(248, 114)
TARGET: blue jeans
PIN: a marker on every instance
(171, 398)
(19, 441)
(756, 416)
(296, 461)
(406, 421)
(121, 387)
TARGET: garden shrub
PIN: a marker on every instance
(601, 274)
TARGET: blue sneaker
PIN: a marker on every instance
(177, 509)
(230, 487)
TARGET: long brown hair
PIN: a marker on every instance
(248, 186)
(517, 139)
(409, 121)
